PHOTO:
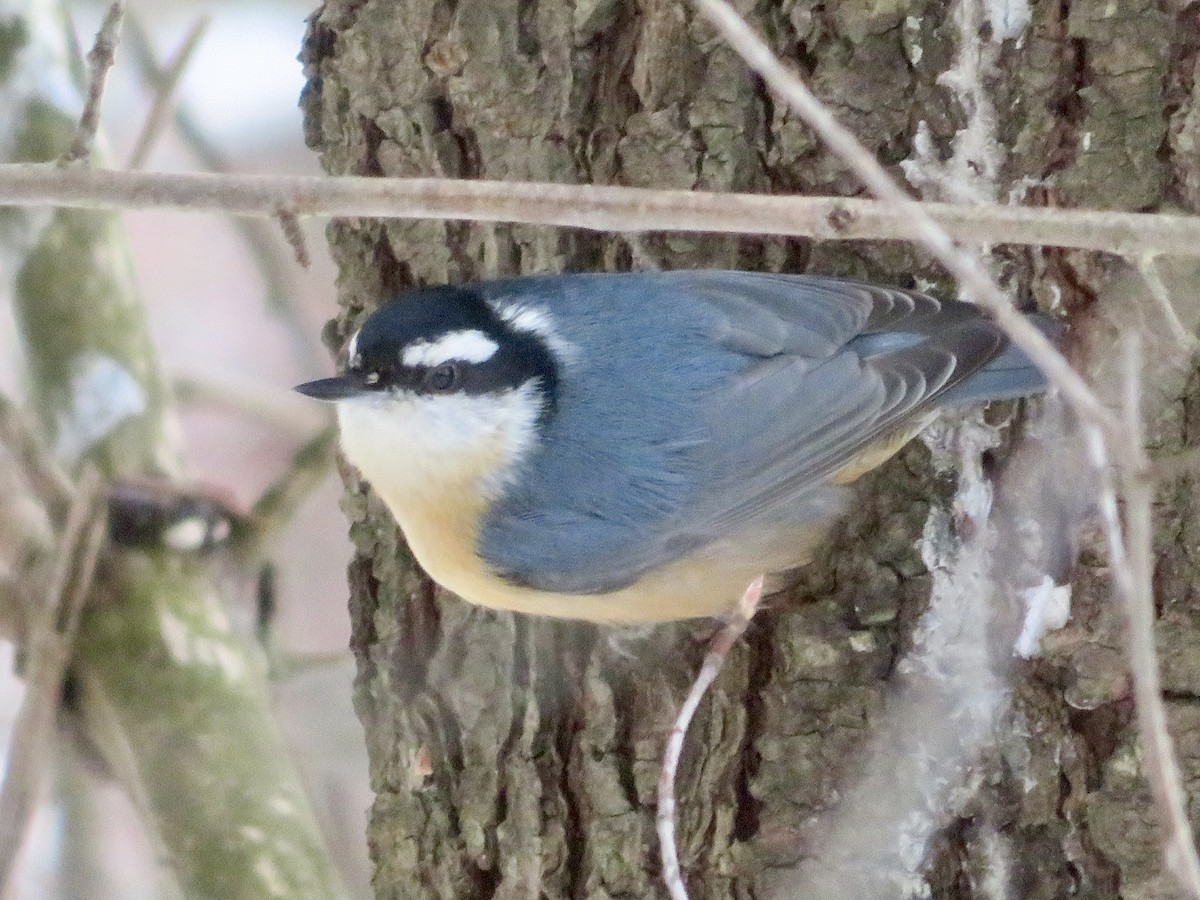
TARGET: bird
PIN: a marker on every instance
(635, 448)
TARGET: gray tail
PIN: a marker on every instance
(1009, 375)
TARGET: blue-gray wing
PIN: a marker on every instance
(770, 385)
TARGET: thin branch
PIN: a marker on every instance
(920, 223)
(49, 651)
(294, 235)
(278, 503)
(1147, 266)
(595, 207)
(48, 481)
(141, 48)
(1132, 572)
(721, 644)
(280, 409)
(284, 664)
(273, 265)
(165, 91)
(100, 59)
(33, 495)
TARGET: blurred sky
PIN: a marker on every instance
(205, 295)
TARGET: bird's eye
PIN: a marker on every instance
(442, 378)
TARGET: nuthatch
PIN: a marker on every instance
(639, 447)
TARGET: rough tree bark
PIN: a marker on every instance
(518, 758)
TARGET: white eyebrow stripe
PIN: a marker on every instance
(472, 346)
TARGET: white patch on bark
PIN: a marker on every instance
(970, 174)
(103, 395)
(1009, 19)
(191, 648)
(924, 759)
(1047, 608)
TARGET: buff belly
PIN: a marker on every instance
(441, 532)
(438, 499)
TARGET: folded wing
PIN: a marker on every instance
(825, 368)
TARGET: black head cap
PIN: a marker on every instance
(440, 340)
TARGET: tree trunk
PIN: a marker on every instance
(514, 757)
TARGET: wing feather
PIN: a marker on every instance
(809, 372)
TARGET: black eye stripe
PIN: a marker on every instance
(428, 316)
(442, 378)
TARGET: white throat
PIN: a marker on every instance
(404, 442)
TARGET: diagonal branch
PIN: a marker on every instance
(100, 59)
(1133, 568)
(963, 265)
(278, 503)
(165, 92)
(1147, 266)
(258, 236)
(714, 659)
(49, 649)
(1131, 560)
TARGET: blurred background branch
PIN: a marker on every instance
(170, 697)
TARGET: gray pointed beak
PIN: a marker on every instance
(339, 387)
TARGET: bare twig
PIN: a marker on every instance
(37, 466)
(31, 498)
(100, 59)
(1147, 266)
(281, 409)
(155, 74)
(259, 237)
(597, 207)
(165, 91)
(1132, 573)
(49, 651)
(294, 235)
(278, 503)
(921, 225)
(721, 644)
(284, 664)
